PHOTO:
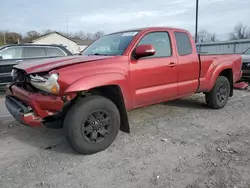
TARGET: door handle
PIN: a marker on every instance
(172, 64)
(19, 60)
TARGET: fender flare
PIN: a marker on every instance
(218, 69)
(106, 79)
(99, 80)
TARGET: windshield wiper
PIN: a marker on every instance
(98, 54)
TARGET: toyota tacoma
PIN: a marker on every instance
(89, 95)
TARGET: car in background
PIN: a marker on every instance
(13, 54)
(246, 65)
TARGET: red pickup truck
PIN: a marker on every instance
(89, 95)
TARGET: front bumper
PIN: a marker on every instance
(31, 108)
(246, 74)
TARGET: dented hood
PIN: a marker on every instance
(46, 65)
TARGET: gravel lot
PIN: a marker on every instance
(176, 144)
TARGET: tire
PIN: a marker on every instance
(92, 124)
(218, 97)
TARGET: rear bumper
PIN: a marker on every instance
(31, 108)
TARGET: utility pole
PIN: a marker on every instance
(196, 21)
(67, 31)
(4, 37)
(67, 25)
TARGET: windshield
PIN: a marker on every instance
(113, 44)
(247, 52)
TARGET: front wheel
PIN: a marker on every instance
(218, 97)
(92, 124)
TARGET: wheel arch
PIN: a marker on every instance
(113, 93)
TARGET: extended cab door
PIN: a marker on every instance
(154, 79)
(188, 64)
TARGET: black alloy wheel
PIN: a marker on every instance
(97, 126)
(92, 124)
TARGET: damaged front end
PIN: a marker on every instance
(32, 99)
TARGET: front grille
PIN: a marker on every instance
(246, 66)
(20, 77)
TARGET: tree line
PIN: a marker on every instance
(10, 37)
(240, 31)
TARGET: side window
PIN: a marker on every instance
(183, 43)
(11, 53)
(35, 52)
(248, 51)
(52, 52)
(161, 43)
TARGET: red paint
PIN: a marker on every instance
(144, 50)
(41, 104)
(32, 120)
(142, 81)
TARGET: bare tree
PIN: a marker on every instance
(7, 37)
(213, 37)
(205, 36)
(46, 31)
(240, 32)
(79, 34)
(98, 34)
(33, 35)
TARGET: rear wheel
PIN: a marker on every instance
(218, 97)
(92, 124)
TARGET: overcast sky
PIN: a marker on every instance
(218, 16)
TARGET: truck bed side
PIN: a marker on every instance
(213, 65)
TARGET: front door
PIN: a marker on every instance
(154, 78)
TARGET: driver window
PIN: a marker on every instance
(161, 43)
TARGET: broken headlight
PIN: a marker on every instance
(46, 83)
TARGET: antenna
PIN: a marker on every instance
(196, 21)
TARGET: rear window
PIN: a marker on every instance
(35, 52)
(183, 43)
(52, 52)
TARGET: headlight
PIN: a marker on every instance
(48, 84)
(13, 73)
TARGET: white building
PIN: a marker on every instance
(74, 45)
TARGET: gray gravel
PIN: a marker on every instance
(176, 144)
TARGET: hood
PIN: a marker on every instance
(245, 58)
(46, 65)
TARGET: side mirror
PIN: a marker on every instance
(144, 50)
(1, 57)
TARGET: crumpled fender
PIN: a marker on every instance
(98, 80)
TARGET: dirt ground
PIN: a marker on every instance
(176, 144)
